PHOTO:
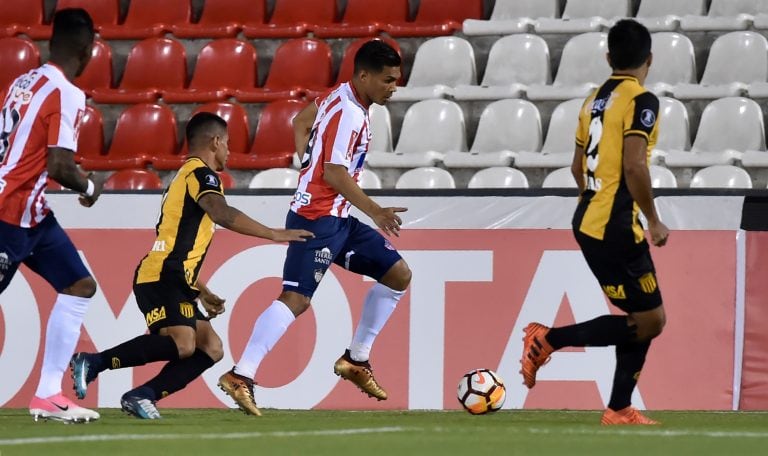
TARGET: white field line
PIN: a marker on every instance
(652, 432)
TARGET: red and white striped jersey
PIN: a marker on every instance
(41, 109)
(340, 135)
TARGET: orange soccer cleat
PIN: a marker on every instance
(627, 415)
(536, 352)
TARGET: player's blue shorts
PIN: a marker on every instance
(45, 248)
(347, 242)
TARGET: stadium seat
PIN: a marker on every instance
(153, 65)
(148, 18)
(498, 177)
(98, 72)
(721, 176)
(581, 16)
(381, 129)
(104, 13)
(662, 177)
(294, 18)
(142, 131)
(300, 66)
(369, 180)
(664, 15)
(273, 143)
(673, 62)
(674, 130)
(559, 143)
(347, 66)
(505, 126)
(512, 16)
(430, 129)
(728, 127)
(133, 179)
(559, 178)
(364, 18)
(275, 178)
(514, 62)
(227, 181)
(209, 83)
(582, 68)
(426, 178)
(726, 15)
(438, 17)
(24, 18)
(736, 60)
(17, 56)
(224, 19)
(440, 64)
(237, 127)
(90, 140)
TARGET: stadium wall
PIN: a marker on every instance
(484, 266)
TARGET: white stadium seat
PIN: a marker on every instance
(673, 62)
(427, 177)
(662, 177)
(369, 180)
(582, 16)
(560, 141)
(381, 129)
(559, 178)
(275, 178)
(721, 176)
(726, 15)
(674, 128)
(505, 126)
(664, 15)
(498, 177)
(512, 16)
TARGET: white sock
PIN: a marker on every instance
(269, 328)
(61, 336)
(379, 304)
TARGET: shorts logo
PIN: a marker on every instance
(186, 310)
(615, 291)
(211, 180)
(5, 262)
(115, 363)
(388, 245)
(323, 256)
(648, 283)
(647, 118)
(155, 315)
(319, 275)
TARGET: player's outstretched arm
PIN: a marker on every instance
(62, 168)
(635, 165)
(385, 218)
(231, 218)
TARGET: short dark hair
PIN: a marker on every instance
(72, 32)
(629, 44)
(204, 125)
(374, 55)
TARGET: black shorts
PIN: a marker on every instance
(166, 304)
(625, 272)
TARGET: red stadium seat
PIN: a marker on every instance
(153, 65)
(227, 181)
(294, 18)
(148, 18)
(365, 18)
(133, 179)
(273, 144)
(90, 141)
(24, 17)
(210, 83)
(347, 66)
(299, 65)
(98, 72)
(142, 131)
(438, 17)
(237, 127)
(17, 56)
(224, 18)
(103, 12)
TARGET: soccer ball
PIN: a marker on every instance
(481, 391)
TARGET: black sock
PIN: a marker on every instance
(630, 358)
(144, 349)
(600, 332)
(177, 374)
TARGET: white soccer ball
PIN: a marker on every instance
(481, 391)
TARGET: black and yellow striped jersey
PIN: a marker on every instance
(184, 230)
(620, 107)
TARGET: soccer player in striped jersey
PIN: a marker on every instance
(39, 122)
(332, 138)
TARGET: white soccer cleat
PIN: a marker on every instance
(58, 407)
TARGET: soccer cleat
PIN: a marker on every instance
(536, 352)
(360, 374)
(139, 406)
(82, 372)
(240, 389)
(58, 407)
(627, 415)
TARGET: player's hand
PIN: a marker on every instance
(212, 304)
(659, 233)
(388, 220)
(98, 186)
(281, 235)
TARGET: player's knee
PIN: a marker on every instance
(83, 288)
(214, 348)
(296, 302)
(398, 277)
(651, 326)
(185, 345)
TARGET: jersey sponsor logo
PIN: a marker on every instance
(615, 291)
(211, 180)
(9, 120)
(155, 315)
(302, 198)
(648, 282)
(647, 118)
(351, 147)
(323, 256)
(21, 96)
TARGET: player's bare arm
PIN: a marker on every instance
(233, 219)
(61, 167)
(302, 126)
(385, 218)
(639, 184)
(577, 167)
(212, 303)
